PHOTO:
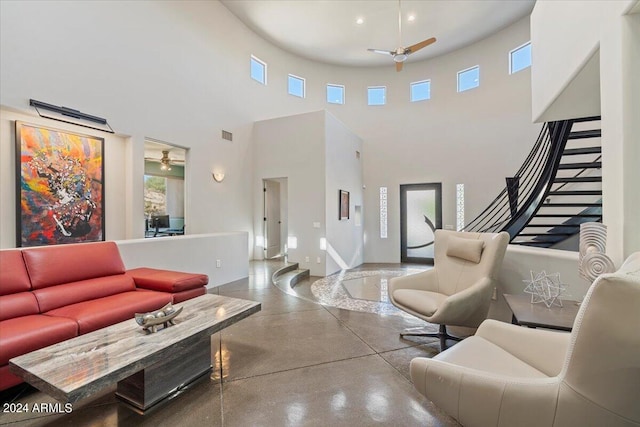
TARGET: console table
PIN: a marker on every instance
(147, 367)
(538, 315)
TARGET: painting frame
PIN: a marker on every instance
(60, 191)
(343, 198)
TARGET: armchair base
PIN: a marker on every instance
(422, 332)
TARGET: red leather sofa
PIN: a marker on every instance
(52, 294)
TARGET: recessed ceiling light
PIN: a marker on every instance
(360, 21)
(411, 18)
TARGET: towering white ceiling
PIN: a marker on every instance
(327, 30)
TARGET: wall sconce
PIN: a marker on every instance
(292, 242)
(218, 176)
(260, 241)
(323, 244)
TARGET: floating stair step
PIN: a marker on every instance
(589, 165)
(578, 151)
(553, 225)
(586, 119)
(550, 234)
(595, 215)
(579, 179)
(576, 193)
(583, 134)
(572, 205)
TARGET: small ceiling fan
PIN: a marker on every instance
(401, 53)
(165, 160)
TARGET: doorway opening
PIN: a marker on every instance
(420, 216)
(275, 219)
(164, 189)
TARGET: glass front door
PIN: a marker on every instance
(420, 216)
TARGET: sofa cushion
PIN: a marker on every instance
(99, 313)
(167, 280)
(54, 265)
(16, 305)
(24, 334)
(13, 274)
(423, 302)
(466, 249)
(70, 293)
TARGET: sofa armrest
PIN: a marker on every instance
(477, 397)
(167, 280)
(543, 349)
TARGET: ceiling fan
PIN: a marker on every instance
(165, 160)
(401, 53)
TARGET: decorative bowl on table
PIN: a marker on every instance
(163, 316)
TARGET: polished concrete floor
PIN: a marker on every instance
(295, 363)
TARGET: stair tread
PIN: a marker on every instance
(583, 134)
(578, 179)
(552, 225)
(595, 215)
(583, 165)
(572, 205)
(575, 193)
(584, 150)
(550, 234)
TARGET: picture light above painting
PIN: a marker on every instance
(62, 114)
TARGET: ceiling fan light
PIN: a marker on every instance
(399, 57)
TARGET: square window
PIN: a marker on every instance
(258, 70)
(469, 78)
(420, 91)
(520, 58)
(377, 95)
(335, 94)
(296, 86)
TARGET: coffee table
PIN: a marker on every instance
(147, 367)
(538, 315)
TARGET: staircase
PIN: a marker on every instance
(575, 194)
(558, 187)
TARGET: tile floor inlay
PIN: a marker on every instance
(359, 290)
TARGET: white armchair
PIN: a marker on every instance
(507, 375)
(457, 291)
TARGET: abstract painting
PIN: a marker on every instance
(59, 186)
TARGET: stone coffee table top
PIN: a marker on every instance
(74, 369)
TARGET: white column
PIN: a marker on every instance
(620, 134)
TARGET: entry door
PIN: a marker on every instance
(272, 218)
(420, 216)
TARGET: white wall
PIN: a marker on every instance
(179, 72)
(476, 138)
(293, 148)
(153, 69)
(345, 239)
(203, 249)
(565, 35)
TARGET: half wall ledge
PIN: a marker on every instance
(198, 253)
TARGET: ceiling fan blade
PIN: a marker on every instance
(383, 52)
(416, 47)
(399, 66)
